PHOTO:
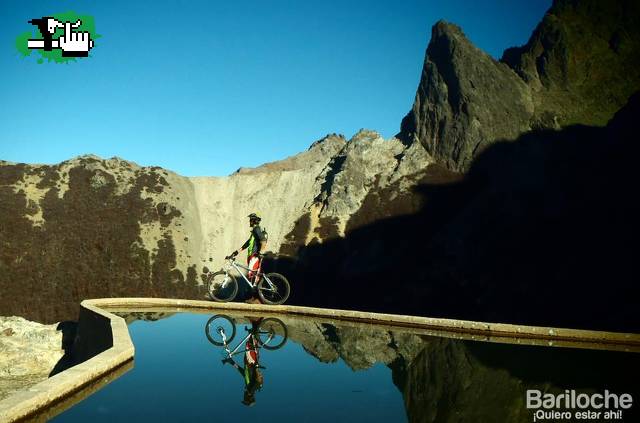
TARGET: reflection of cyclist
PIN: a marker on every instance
(255, 245)
(251, 373)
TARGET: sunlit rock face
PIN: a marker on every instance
(465, 100)
(29, 352)
(92, 227)
(280, 192)
(359, 346)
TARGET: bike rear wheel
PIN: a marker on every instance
(222, 286)
(273, 288)
(220, 330)
(272, 333)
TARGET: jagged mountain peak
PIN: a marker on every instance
(465, 100)
(365, 135)
(327, 140)
(580, 66)
(443, 28)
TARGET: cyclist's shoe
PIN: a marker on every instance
(227, 361)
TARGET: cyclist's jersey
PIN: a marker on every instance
(255, 241)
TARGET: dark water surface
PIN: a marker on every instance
(334, 372)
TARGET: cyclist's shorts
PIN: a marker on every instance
(254, 262)
(251, 354)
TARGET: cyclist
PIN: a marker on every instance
(253, 378)
(255, 245)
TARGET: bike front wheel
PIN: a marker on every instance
(220, 330)
(273, 288)
(272, 333)
(222, 287)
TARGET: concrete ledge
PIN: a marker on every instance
(628, 341)
(104, 341)
(109, 332)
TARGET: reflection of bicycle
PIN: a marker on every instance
(273, 288)
(270, 333)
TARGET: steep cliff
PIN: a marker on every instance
(581, 62)
(537, 232)
(579, 67)
(465, 100)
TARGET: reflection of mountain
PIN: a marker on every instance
(447, 380)
(477, 382)
(147, 316)
(359, 346)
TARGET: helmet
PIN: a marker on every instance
(254, 217)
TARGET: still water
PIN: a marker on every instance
(323, 371)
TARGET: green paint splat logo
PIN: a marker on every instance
(60, 38)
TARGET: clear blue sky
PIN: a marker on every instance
(204, 87)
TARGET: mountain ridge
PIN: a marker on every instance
(343, 213)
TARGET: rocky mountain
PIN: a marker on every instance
(90, 227)
(579, 67)
(489, 198)
(522, 202)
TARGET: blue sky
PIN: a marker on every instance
(205, 87)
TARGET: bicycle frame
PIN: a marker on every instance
(231, 263)
(235, 351)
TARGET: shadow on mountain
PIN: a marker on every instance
(541, 230)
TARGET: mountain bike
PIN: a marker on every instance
(270, 333)
(272, 288)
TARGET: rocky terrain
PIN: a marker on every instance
(29, 353)
(504, 194)
(90, 227)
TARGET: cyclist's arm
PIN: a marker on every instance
(244, 246)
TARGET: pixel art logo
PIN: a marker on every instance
(60, 38)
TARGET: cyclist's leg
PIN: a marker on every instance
(254, 266)
(258, 269)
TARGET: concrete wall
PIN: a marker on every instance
(103, 341)
(94, 335)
